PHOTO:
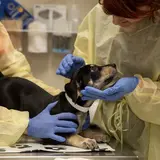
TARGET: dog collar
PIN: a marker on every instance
(76, 106)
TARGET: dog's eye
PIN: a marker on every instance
(94, 69)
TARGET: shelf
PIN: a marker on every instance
(28, 31)
(61, 43)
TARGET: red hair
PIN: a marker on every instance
(128, 8)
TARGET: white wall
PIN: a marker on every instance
(44, 65)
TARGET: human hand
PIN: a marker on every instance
(45, 125)
(119, 90)
(69, 65)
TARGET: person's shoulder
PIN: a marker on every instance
(94, 17)
(97, 11)
(97, 7)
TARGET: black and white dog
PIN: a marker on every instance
(20, 94)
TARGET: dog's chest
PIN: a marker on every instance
(81, 120)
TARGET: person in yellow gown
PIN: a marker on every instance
(126, 33)
(13, 123)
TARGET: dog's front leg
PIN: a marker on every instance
(81, 142)
(97, 134)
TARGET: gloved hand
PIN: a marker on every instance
(69, 65)
(45, 125)
(86, 124)
(118, 91)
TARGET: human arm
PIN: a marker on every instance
(143, 97)
(84, 52)
(13, 63)
(145, 100)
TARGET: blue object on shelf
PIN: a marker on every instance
(2, 14)
(62, 44)
(14, 10)
(61, 51)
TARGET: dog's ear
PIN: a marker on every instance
(71, 90)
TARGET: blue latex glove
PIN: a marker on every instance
(45, 125)
(69, 65)
(86, 124)
(118, 91)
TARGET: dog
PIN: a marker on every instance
(22, 95)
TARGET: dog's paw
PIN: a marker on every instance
(89, 144)
(101, 137)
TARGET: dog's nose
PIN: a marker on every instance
(113, 65)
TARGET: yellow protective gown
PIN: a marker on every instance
(135, 51)
(13, 63)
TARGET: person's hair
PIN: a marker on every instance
(128, 8)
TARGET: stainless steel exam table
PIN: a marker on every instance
(125, 154)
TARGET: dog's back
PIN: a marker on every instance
(23, 95)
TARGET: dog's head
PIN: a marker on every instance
(90, 75)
